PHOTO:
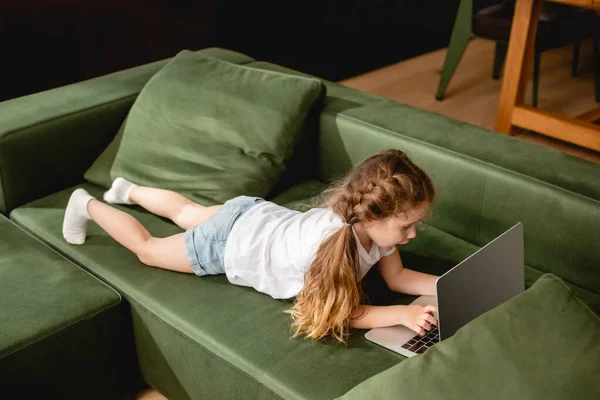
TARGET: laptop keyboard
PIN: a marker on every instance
(419, 343)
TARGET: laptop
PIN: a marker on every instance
(486, 279)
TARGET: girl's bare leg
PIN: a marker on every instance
(184, 212)
(179, 209)
(167, 253)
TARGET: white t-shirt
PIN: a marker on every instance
(270, 248)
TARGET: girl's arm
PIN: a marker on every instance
(417, 317)
(400, 279)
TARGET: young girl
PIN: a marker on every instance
(319, 256)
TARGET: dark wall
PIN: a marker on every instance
(45, 44)
(50, 43)
(336, 39)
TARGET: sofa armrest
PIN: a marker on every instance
(49, 139)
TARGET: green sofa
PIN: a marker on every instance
(61, 330)
(206, 338)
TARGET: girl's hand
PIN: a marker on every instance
(419, 318)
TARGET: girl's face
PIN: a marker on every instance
(396, 230)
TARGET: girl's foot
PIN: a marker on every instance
(76, 217)
(119, 192)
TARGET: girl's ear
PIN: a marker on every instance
(403, 214)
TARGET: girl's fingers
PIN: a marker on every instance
(430, 318)
(424, 324)
(430, 309)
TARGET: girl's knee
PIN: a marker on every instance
(145, 252)
(146, 260)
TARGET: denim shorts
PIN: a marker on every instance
(205, 243)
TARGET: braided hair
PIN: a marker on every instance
(384, 185)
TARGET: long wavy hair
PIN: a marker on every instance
(384, 185)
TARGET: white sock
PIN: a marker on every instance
(76, 217)
(119, 192)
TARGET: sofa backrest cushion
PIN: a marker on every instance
(210, 130)
(478, 200)
(486, 182)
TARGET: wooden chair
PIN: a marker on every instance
(559, 25)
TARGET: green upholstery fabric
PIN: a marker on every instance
(441, 246)
(477, 201)
(34, 130)
(186, 324)
(41, 291)
(63, 333)
(543, 343)
(343, 104)
(206, 336)
(211, 130)
(485, 182)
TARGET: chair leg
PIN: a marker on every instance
(596, 47)
(499, 58)
(536, 77)
(575, 65)
(461, 34)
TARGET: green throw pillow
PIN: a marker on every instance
(541, 344)
(210, 130)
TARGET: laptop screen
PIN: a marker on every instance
(489, 277)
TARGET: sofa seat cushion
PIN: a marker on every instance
(42, 292)
(211, 130)
(59, 325)
(242, 334)
(542, 343)
(211, 324)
